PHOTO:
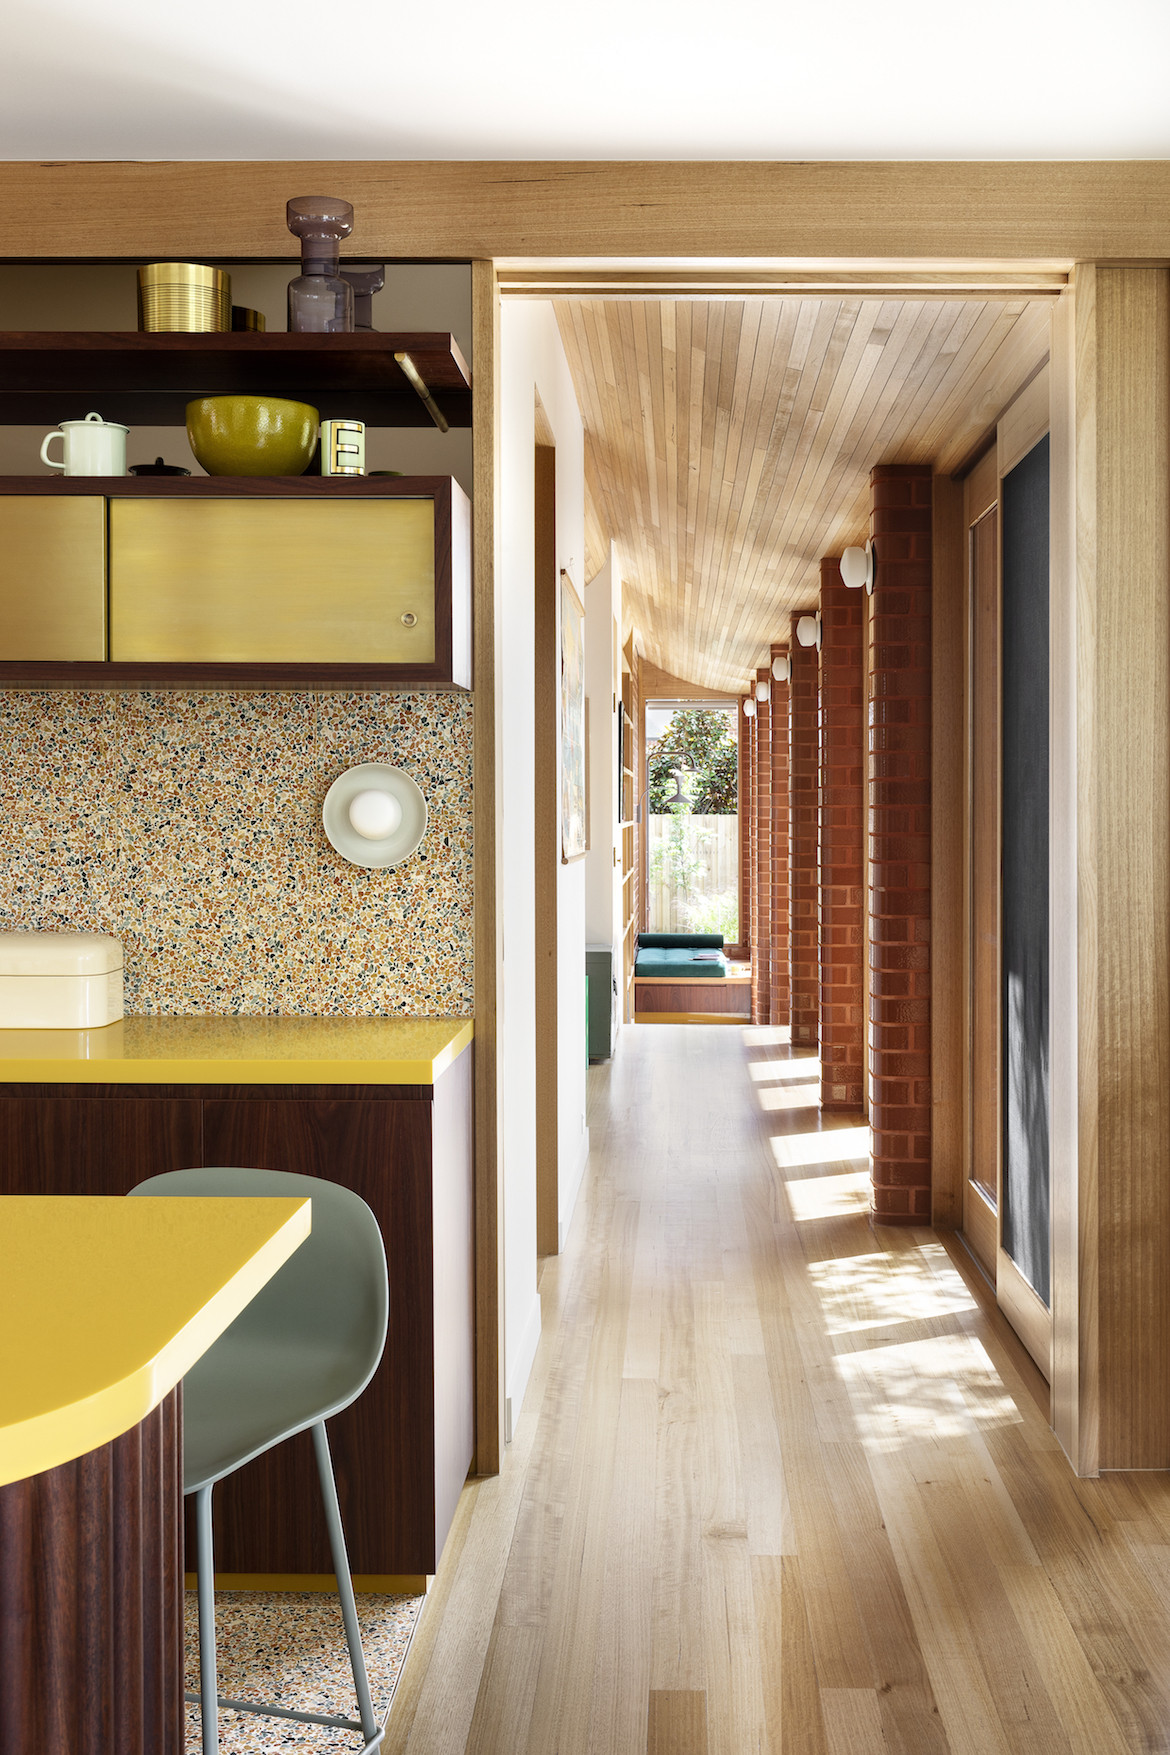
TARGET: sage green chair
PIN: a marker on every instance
(305, 1347)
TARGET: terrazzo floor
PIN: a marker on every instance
(289, 1649)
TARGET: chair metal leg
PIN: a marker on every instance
(344, 1581)
(208, 1669)
(209, 1698)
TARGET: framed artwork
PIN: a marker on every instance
(573, 821)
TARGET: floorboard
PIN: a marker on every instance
(783, 1482)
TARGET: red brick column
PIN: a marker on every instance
(762, 862)
(781, 987)
(842, 829)
(803, 850)
(899, 829)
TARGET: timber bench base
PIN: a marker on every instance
(666, 999)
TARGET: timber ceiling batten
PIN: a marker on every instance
(729, 443)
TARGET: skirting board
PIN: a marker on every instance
(568, 1205)
(381, 1584)
(520, 1368)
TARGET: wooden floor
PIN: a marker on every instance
(781, 1482)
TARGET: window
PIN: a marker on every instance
(693, 817)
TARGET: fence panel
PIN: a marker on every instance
(694, 874)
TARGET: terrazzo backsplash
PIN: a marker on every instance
(188, 824)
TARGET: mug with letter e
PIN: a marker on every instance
(92, 446)
(343, 447)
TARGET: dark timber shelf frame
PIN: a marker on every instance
(148, 380)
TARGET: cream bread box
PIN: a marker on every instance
(59, 980)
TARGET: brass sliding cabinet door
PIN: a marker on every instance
(52, 577)
(273, 581)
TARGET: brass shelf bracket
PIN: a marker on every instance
(413, 377)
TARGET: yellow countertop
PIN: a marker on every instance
(105, 1302)
(237, 1051)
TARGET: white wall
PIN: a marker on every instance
(603, 878)
(532, 363)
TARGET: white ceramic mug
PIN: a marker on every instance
(92, 446)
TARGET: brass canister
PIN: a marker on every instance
(184, 296)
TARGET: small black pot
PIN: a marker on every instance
(158, 467)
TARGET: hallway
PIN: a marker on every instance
(782, 1481)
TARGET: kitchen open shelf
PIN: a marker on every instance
(148, 380)
(221, 487)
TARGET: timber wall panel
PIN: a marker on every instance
(1123, 905)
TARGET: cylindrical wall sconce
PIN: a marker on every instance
(808, 630)
(859, 568)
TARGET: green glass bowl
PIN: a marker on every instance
(252, 435)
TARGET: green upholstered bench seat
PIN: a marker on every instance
(684, 955)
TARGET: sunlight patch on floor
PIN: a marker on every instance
(907, 1393)
(766, 1035)
(829, 1197)
(773, 1072)
(859, 1292)
(911, 1392)
(803, 1096)
(838, 1145)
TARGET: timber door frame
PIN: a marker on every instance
(1111, 568)
(981, 1073)
(1021, 427)
(547, 826)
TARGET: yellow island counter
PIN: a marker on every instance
(105, 1303)
(380, 1105)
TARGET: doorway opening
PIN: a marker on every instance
(692, 807)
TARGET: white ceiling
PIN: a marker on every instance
(224, 79)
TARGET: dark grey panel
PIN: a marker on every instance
(1025, 868)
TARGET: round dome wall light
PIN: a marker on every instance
(374, 815)
(859, 568)
(808, 630)
(782, 668)
(763, 692)
(749, 707)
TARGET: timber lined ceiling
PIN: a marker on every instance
(728, 444)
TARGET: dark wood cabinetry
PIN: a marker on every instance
(403, 1450)
(91, 1607)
